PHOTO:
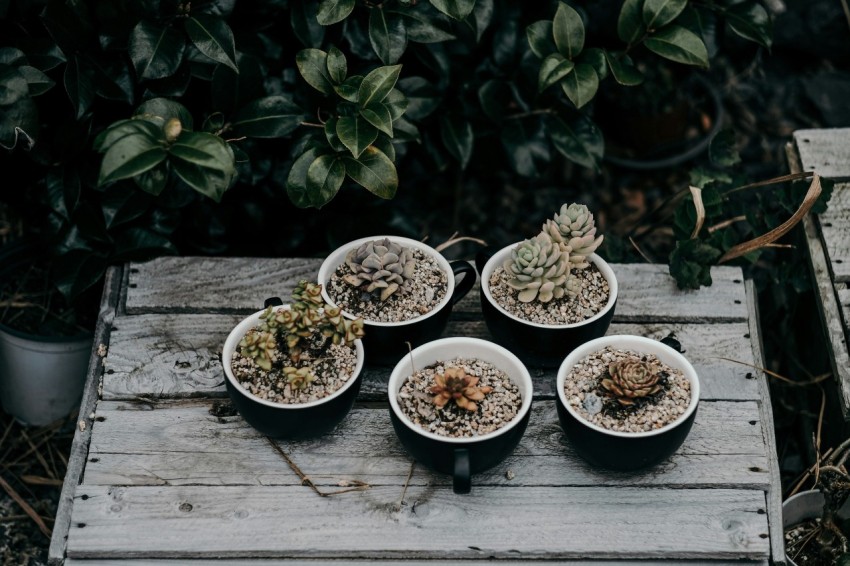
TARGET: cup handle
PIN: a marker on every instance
(462, 477)
(272, 302)
(483, 256)
(464, 268)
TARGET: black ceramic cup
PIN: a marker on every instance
(540, 345)
(300, 420)
(460, 457)
(386, 342)
(626, 450)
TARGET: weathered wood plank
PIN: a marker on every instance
(182, 443)
(774, 491)
(835, 228)
(826, 151)
(239, 285)
(430, 522)
(169, 355)
(80, 443)
(472, 562)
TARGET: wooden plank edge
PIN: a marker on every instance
(343, 562)
(836, 340)
(773, 498)
(113, 282)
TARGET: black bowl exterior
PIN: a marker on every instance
(622, 452)
(294, 422)
(440, 456)
(386, 345)
(537, 346)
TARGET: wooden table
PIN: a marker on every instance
(160, 474)
(827, 152)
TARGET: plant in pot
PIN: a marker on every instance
(403, 289)
(460, 405)
(294, 370)
(626, 402)
(546, 295)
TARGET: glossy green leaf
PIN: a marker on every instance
(156, 50)
(130, 156)
(333, 11)
(397, 103)
(331, 135)
(208, 181)
(422, 97)
(405, 131)
(78, 270)
(630, 26)
(153, 181)
(378, 114)
(582, 144)
(482, 17)
(581, 85)
(161, 110)
(568, 31)
(12, 56)
(595, 57)
(387, 35)
(37, 81)
(203, 149)
(723, 149)
(378, 84)
(13, 85)
(324, 178)
(526, 146)
(269, 117)
(659, 13)
(751, 21)
(424, 29)
(678, 44)
(355, 133)
(337, 65)
(373, 171)
(124, 128)
(540, 38)
(313, 66)
(623, 69)
(386, 145)
(350, 88)
(213, 38)
(296, 181)
(458, 138)
(554, 68)
(303, 18)
(456, 9)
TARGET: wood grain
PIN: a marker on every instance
(370, 562)
(826, 151)
(182, 443)
(430, 522)
(835, 229)
(169, 355)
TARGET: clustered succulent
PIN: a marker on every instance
(380, 267)
(454, 384)
(631, 379)
(307, 316)
(542, 267)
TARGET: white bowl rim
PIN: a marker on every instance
(399, 374)
(498, 258)
(235, 337)
(632, 343)
(326, 269)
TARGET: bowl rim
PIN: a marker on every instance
(400, 373)
(634, 343)
(336, 257)
(236, 335)
(498, 258)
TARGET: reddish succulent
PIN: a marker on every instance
(631, 379)
(454, 384)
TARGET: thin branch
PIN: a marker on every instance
(26, 507)
(358, 485)
(455, 240)
(406, 483)
(312, 125)
(640, 251)
(725, 223)
(818, 379)
(537, 112)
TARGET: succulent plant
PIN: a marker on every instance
(259, 345)
(574, 229)
(341, 330)
(631, 379)
(381, 267)
(299, 378)
(307, 295)
(455, 384)
(540, 270)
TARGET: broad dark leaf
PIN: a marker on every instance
(209, 182)
(349, 89)
(378, 114)
(623, 69)
(355, 133)
(161, 110)
(313, 66)
(422, 28)
(540, 38)
(397, 103)
(296, 181)
(305, 24)
(630, 26)
(213, 37)
(751, 21)
(130, 156)
(568, 31)
(378, 84)
(678, 44)
(77, 270)
(457, 9)
(458, 138)
(19, 124)
(406, 131)
(13, 85)
(154, 181)
(387, 35)
(595, 57)
(156, 50)
(324, 178)
(70, 25)
(722, 150)
(422, 97)
(495, 96)
(141, 244)
(231, 90)
(581, 85)
(38, 82)
(526, 146)
(337, 65)
(385, 144)
(581, 144)
(554, 68)
(659, 13)
(63, 190)
(123, 128)
(331, 136)
(12, 56)
(43, 53)
(373, 171)
(334, 11)
(482, 16)
(79, 86)
(123, 203)
(269, 117)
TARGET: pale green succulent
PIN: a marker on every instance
(539, 269)
(299, 378)
(574, 229)
(381, 267)
(259, 346)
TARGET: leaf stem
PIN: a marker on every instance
(312, 125)
(537, 112)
